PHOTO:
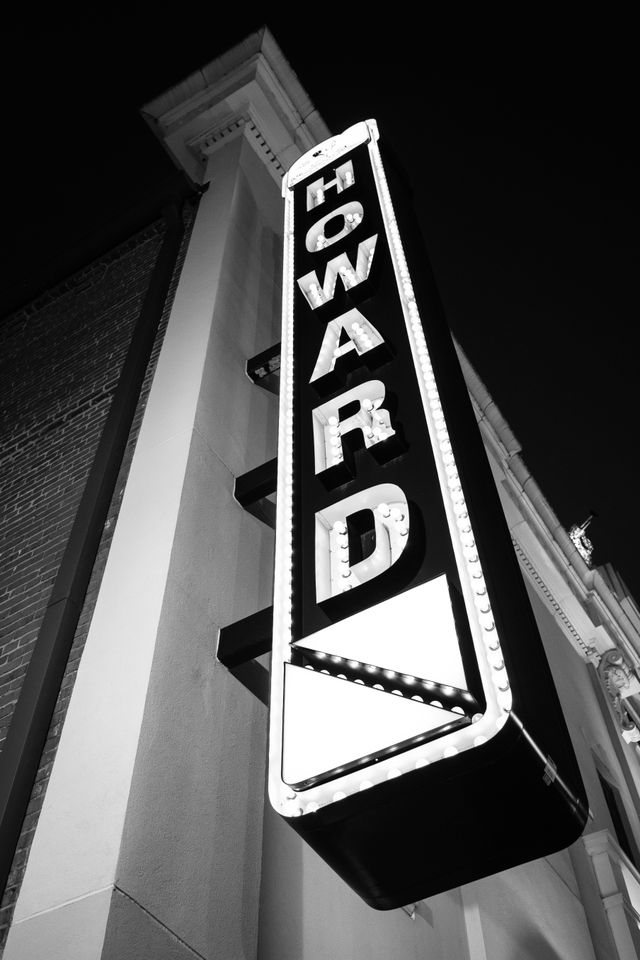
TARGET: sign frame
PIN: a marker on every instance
(419, 824)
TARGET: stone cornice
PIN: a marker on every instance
(247, 125)
(250, 91)
(586, 650)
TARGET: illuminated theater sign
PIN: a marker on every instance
(416, 739)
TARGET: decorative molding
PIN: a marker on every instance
(250, 91)
(242, 124)
(587, 650)
(620, 681)
(581, 541)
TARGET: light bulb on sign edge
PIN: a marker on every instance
(505, 700)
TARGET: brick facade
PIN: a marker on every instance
(60, 359)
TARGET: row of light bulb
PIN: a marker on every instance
(394, 515)
(285, 495)
(351, 221)
(350, 277)
(316, 294)
(389, 675)
(469, 550)
(339, 546)
(404, 764)
(346, 180)
(335, 441)
(374, 427)
(362, 337)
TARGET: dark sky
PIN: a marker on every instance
(519, 138)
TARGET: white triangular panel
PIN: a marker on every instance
(330, 722)
(412, 633)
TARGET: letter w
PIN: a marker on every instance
(342, 267)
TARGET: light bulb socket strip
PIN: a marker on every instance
(441, 696)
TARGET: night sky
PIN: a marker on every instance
(519, 140)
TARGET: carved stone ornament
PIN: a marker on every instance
(581, 541)
(620, 682)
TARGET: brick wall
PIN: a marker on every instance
(60, 359)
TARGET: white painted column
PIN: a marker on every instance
(607, 861)
(619, 924)
(473, 923)
(148, 843)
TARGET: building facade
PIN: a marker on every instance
(147, 833)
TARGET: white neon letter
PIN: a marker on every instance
(363, 336)
(328, 429)
(334, 573)
(316, 191)
(351, 213)
(342, 267)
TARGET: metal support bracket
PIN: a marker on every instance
(240, 643)
(253, 489)
(264, 369)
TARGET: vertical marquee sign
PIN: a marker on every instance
(416, 740)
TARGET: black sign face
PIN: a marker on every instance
(397, 666)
